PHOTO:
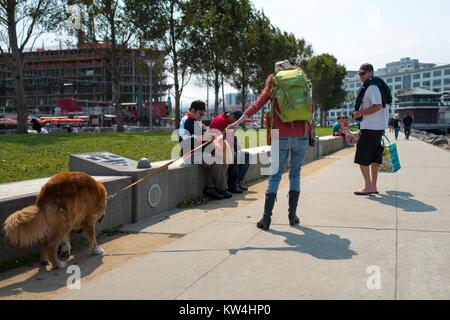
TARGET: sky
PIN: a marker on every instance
(359, 31)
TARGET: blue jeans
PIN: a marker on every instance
(237, 172)
(407, 132)
(397, 131)
(297, 147)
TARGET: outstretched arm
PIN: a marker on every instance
(251, 110)
(235, 125)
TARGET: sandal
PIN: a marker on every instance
(362, 193)
(365, 193)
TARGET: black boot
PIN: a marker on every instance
(293, 203)
(265, 222)
(242, 186)
(226, 194)
(234, 188)
(213, 194)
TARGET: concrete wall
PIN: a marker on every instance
(185, 182)
(141, 207)
(329, 145)
(7, 251)
(180, 183)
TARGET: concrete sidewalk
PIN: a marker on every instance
(404, 233)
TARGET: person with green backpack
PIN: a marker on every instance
(290, 119)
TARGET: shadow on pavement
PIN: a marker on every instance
(404, 201)
(317, 244)
(43, 279)
(49, 281)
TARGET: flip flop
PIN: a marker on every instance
(362, 193)
(365, 193)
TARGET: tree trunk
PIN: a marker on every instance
(177, 108)
(175, 64)
(17, 68)
(243, 97)
(115, 74)
(216, 92)
(322, 117)
(177, 90)
(223, 94)
(244, 87)
(19, 91)
(117, 103)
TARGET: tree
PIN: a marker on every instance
(274, 45)
(84, 32)
(164, 27)
(25, 21)
(265, 53)
(209, 32)
(113, 27)
(327, 78)
(244, 41)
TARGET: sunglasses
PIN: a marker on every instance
(362, 73)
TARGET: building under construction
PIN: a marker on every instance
(78, 81)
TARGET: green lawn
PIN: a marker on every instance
(24, 157)
(328, 131)
(322, 132)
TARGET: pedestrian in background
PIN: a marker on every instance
(396, 126)
(407, 123)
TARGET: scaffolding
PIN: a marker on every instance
(82, 74)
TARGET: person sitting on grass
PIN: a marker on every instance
(36, 125)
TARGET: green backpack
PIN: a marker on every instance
(293, 92)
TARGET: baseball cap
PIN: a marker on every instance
(237, 114)
(282, 65)
(366, 67)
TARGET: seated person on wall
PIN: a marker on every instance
(241, 159)
(350, 140)
(337, 128)
(342, 129)
(192, 133)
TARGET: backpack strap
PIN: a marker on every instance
(306, 122)
(272, 110)
(269, 123)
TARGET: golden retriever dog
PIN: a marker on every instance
(68, 201)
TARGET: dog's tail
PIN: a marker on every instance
(26, 227)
